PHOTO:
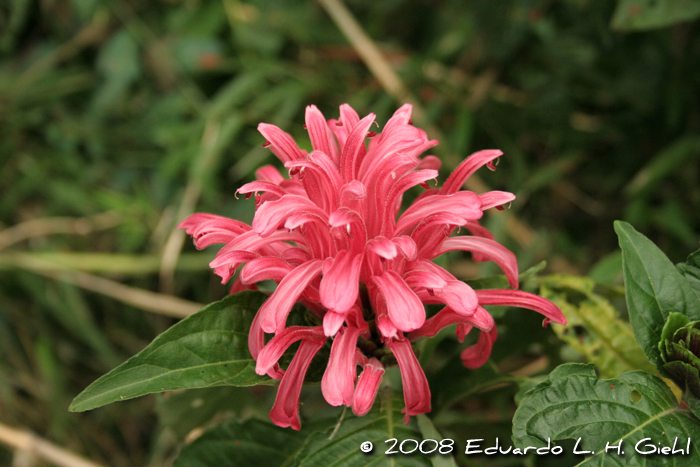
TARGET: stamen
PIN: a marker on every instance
(545, 322)
(248, 195)
(305, 126)
(266, 144)
(371, 134)
(492, 164)
(503, 206)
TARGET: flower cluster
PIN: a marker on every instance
(331, 237)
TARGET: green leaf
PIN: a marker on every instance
(342, 447)
(428, 431)
(674, 323)
(208, 348)
(181, 412)
(574, 404)
(691, 271)
(653, 288)
(594, 328)
(455, 382)
(243, 444)
(638, 15)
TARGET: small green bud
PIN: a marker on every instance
(680, 352)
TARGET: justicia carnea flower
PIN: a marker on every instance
(332, 238)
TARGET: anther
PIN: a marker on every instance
(492, 164)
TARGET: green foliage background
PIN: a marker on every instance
(144, 110)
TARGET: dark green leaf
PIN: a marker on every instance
(244, 444)
(654, 288)
(184, 411)
(209, 348)
(455, 382)
(574, 404)
(691, 271)
(636, 15)
(378, 426)
(428, 431)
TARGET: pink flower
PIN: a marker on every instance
(333, 238)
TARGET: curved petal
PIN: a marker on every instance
(338, 382)
(285, 412)
(476, 355)
(367, 387)
(332, 322)
(403, 306)
(272, 214)
(463, 204)
(460, 297)
(322, 138)
(354, 149)
(467, 168)
(269, 173)
(521, 299)
(416, 392)
(489, 249)
(273, 313)
(407, 247)
(382, 247)
(495, 199)
(281, 144)
(339, 285)
(278, 345)
(265, 268)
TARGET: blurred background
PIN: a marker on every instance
(118, 118)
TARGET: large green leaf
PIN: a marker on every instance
(574, 404)
(184, 412)
(241, 444)
(653, 288)
(209, 348)
(691, 271)
(342, 447)
(593, 326)
(649, 14)
(454, 382)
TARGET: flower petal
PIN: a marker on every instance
(476, 355)
(489, 249)
(322, 138)
(282, 144)
(367, 387)
(495, 198)
(338, 382)
(339, 285)
(273, 313)
(467, 168)
(285, 412)
(278, 345)
(521, 299)
(403, 306)
(463, 204)
(266, 268)
(416, 392)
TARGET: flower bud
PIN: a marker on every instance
(680, 353)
